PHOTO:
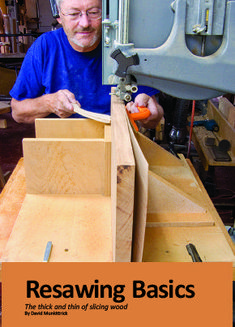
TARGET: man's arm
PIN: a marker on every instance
(144, 100)
(59, 103)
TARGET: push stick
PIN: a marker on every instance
(92, 115)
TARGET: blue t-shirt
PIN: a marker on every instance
(51, 64)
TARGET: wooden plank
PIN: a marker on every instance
(78, 226)
(226, 131)
(224, 106)
(179, 219)
(107, 159)
(65, 166)
(213, 212)
(164, 197)
(180, 177)
(199, 136)
(141, 198)
(11, 199)
(93, 205)
(179, 211)
(173, 170)
(201, 150)
(168, 244)
(122, 182)
(228, 110)
(68, 128)
(176, 201)
(231, 117)
(155, 154)
(172, 186)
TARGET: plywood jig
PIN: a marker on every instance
(122, 182)
(102, 193)
(172, 209)
(68, 198)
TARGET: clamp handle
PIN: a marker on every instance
(124, 62)
(142, 114)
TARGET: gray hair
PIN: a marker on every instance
(58, 3)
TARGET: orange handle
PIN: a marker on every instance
(142, 114)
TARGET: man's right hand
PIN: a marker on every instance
(59, 103)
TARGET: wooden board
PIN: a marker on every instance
(141, 198)
(189, 217)
(212, 211)
(167, 234)
(199, 136)
(171, 170)
(167, 192)
(225, 107)
(168, 244)
(69, 128)
(173, 188)
(231, 117)
(44, 157)
(11, 199)
(78, 226)
(164, 197)
(177, 219)
(226, 131)
(65, 166)
(122, 182)
(179, 210)
(155, 154)
(107, 160)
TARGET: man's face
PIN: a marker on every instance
(83, 32)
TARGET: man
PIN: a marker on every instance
(63, 67)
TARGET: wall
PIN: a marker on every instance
(42, 10)
(45, 15)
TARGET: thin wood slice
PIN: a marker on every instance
(92, 115)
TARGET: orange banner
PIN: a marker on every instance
(117, 294)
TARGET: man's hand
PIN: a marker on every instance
(144, 100)
(60, 103)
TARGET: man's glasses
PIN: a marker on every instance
(93, 14)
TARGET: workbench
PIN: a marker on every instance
(171, 207)
(226, 131)
(4, 108)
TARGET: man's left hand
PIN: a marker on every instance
(156, 110)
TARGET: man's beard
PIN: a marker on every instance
(80, 43)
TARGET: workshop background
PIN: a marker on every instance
(25, 20)
(21, 22)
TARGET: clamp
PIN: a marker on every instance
(143, 113)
